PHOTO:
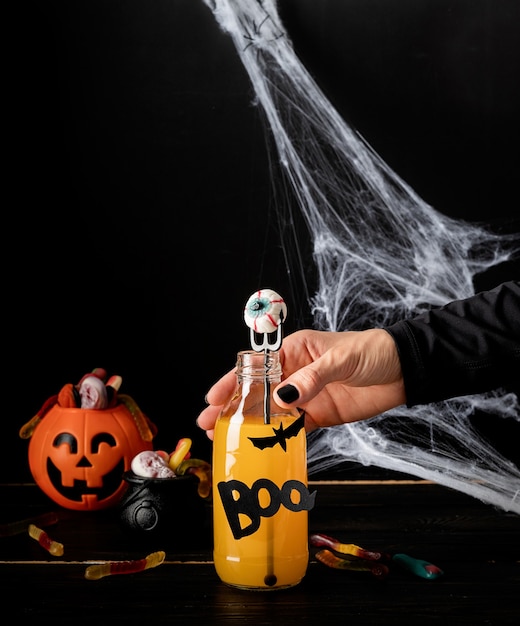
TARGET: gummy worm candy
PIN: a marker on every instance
(115, 382)
(202, 470)
(53, 547)
(319, 540)
(111, 568)
(27, 430)
(418, 567)
(113, 385)
(68, 396)
(140, 419)
(181, 450)
(379, 570)
(20, 526)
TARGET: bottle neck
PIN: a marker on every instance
(259, 366)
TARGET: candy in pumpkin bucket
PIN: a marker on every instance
(83, 440)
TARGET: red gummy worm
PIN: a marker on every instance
(127, 567)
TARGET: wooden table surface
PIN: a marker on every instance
(476, 546)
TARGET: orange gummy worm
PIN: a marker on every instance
(53, 547)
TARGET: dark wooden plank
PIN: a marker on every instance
(468, 595)
(477, 546)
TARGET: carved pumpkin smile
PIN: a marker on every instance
(80, 487)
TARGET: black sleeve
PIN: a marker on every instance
(465, 347)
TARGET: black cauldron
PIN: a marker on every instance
(156, 505)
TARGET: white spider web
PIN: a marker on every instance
(381, 254)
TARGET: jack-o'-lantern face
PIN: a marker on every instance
(78, 456)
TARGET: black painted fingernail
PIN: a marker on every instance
(289, 393)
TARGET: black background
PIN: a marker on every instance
(137, 179)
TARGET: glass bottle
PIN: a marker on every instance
(260, 490)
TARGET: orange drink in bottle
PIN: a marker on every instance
(260, 490)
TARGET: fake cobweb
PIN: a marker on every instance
(381, 254)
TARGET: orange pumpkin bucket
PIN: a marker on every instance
(78, 456)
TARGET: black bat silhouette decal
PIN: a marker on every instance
(280, 435)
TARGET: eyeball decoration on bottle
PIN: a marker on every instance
(264, 313)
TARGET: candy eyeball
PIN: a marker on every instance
(265, 311)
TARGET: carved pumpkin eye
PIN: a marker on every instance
(68, 439)
(97, 440)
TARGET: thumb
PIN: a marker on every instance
(304, 384)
